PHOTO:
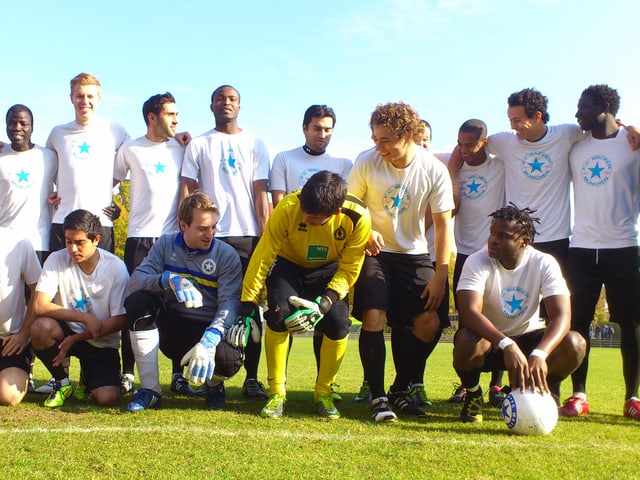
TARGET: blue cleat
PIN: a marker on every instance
(143, 399)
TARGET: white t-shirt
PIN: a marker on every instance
(155, 185)
(19, 266)
(101, 294)
(292, 169)
(26, 181)
(225, 167)
(606, 190)
(537, 176)
(86, 156)
(397, 198)
(481, 193)
(511, 298)
(430, 234)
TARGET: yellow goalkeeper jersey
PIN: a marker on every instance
(342, 238)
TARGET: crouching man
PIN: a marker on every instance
(499, 294)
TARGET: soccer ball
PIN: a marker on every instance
(530, 413)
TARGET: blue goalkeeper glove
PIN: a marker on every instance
(202, 357)
(246, 326)
(308, 314)
(183, 289)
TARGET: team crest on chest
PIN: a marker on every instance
(474, 187)
(596, 171)
(396, 200)
(229, 162)
(340, 234)
(20, 179)
(536, 165)
(515, 302)
(81, 150)
(208, 266)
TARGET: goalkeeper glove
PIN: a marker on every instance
(183, 289)
(201, 359)
(246, 325)
(309, 313)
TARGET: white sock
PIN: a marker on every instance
(581, 395)
(145, 345)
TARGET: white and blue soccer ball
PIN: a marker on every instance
(530, 413)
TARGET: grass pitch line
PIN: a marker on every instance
(505, 440)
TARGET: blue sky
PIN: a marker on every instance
(451, 59)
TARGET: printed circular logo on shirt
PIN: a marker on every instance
(306, 175)
(536, 165)
(515, 302)
(228, 161)
(209, 266)
(474, 187)
(396, 200)
(596, 171)
(340, 234)
(20, 178)
(81, 150)
(155, 168)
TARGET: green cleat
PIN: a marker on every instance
(419, 395)
(274, 406)
(58, 396)
(325, 406)
(334, 393)
(364, 395)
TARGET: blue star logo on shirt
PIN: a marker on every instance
(536, 166)
(79, 303)
(159, 167)
(23, 176)
(473, 187)
(397, 201)
(84, 148)
(596, 171)
(514, 303)
(229, 163)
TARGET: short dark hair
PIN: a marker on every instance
(428, 125)
(532, 100)
(155, 104)
(318, 111)
(521, 216)
(196, 200)
(474, 126)
(83, 221)
(220, 88)
(323, 194)
(18, 107)
(602, 95)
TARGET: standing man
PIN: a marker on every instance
(182, 298)
(79, 308)
(231, 166)
(154, 162)
(86, 149)
(19, 268)
(397, 181)
(27, 174)
(292, 169)
(310, 255)
(499, 300)
(604, 245)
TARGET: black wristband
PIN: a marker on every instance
(247, 309)
(327, 300)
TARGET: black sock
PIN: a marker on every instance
(46, 356)
(372, 354)
(252, 358)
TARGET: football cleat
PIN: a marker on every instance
(419, 395)
(334, 393)
(381, 411)
(325, 406)
(126, 383)
(364, 395)
(216, 396)
(404, 402)
(57, 397)
(81, 393)
(252, 388)
(458, 394)
(144, 399)
(472, 407)
(180, 385)
(497, 396)
(632, 408)
(31, 386)
(573, 407)
(274, 406)
(46, 387)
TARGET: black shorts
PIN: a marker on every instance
(56, 241)
(285, 279)
(618, 269)
(22, 361)
(100, 366)
(135, 251)
(494, 359)
(244, 246)
(558, 249)
(393, 282)
(457, 271)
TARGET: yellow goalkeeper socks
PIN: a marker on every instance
(276, 346)
(331, 355)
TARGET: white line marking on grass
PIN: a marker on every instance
(511, 441)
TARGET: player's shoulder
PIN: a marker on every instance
(354, 208)
(370, 155)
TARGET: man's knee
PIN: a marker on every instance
(142, 309)
(228, 360)
(106, 396)
(276, 314)
(465, 349)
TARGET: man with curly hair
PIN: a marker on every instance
(498, 298)
(397, 180)
(604, 245)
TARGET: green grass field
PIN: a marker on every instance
(184, 440)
